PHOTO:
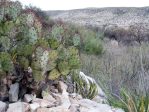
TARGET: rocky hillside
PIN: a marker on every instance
(107, 19)
(104, 16)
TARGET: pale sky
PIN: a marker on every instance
(76, 4)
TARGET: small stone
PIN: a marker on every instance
(13, 92)
(76, 96)
(3, 106)
(62, 86)
(34, 106)
(47, 96)
(28, 98)
(99, 99)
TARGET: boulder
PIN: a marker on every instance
(62, 86)
(53, 109)
(34, 106)
(74, 108)
(87, 105)
(28, 98)
(47, 96)
(58, 109)
(65, 100)
(17, 107)
(43, 103)
(42, 110)
(3, 106)
(13, 92)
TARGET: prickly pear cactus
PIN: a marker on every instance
(53, 57)
(30, 19)
(23, 62)
(4, 43)
(63, 67)
(33, 36)
(6, 64)
(22, 37)
(76, 40)
(1, 13)
(13, 9)
(53, 43)
(57, 32)
(41, 60)
(54, 74)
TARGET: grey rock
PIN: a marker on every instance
(87, 105)
(16, 107)
(46, 96)
(28, 98)
(34, 107)
(3, 106)
(62, 86)
(13, 92)
(43, 103)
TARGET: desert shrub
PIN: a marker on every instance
(93, 46)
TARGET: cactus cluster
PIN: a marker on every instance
(23, 43)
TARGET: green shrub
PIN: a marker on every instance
(93, 46)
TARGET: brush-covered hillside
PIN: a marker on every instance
(123, 24)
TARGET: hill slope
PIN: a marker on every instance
(119, 23)
(103, 16)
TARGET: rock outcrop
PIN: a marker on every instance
(60, 101)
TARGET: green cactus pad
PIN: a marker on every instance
(54, 74)
(38, 75)
(63, 67)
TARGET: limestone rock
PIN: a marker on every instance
(58, 109)
(65, 100)
(75, 96)
(87, 105)
(62, 86)
(42, 110)
(3, 106)
(47, 96)
(34, 106)
(16, 107)
(43, 103)
(13, 92)
(28, 98)
(74, 108)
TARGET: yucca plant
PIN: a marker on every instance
(129, 102)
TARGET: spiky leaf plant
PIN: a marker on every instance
(85, 85)
(129, 102)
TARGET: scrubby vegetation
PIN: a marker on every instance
(30, 40)
(54, 50)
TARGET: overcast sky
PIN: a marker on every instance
(76, 4)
